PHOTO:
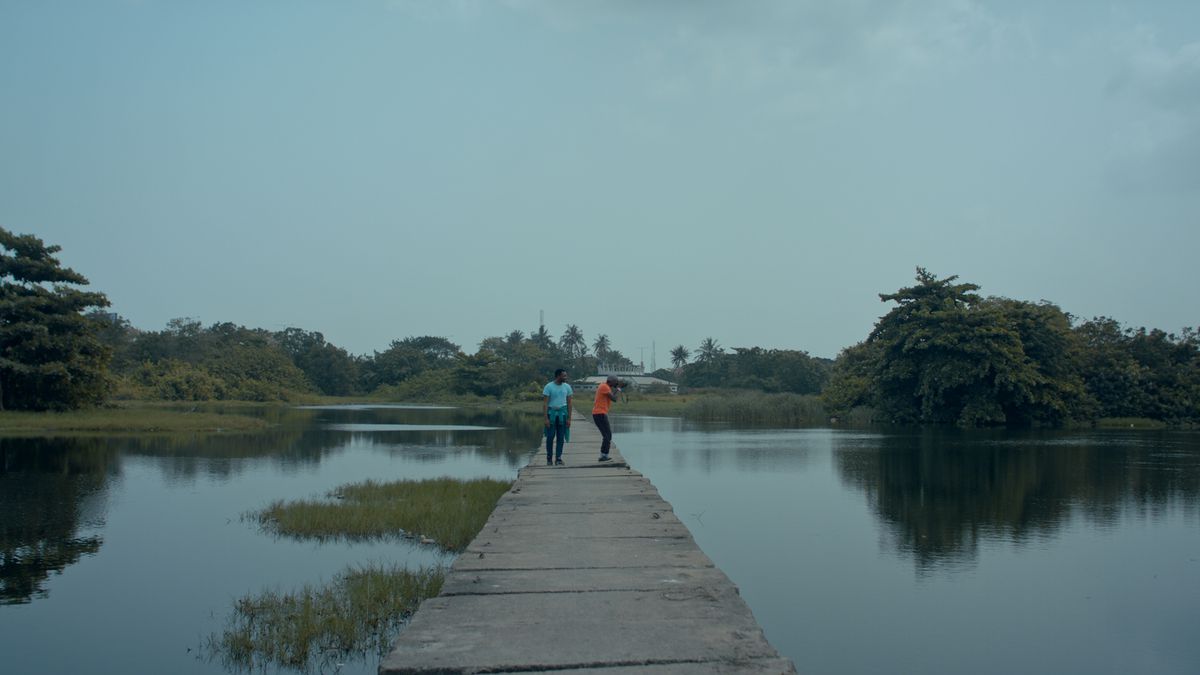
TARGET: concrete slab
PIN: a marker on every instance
(536, 631)
(582, 568)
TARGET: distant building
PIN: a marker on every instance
(639, 382)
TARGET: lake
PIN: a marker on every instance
(858, 551)
(122, 555)
(947, 551)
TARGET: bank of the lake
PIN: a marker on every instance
(142, 534)
(128, 419)
(189, 417)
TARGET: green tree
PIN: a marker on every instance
(600, 347)
(572, 342)
(50, 355)
(541, 338)
(330, 368)
(851, 381)
(947, 356)
(709, 350)
(679, 356)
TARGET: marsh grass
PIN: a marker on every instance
(354, 616)
(450, 512)
(125, 420)
(755, 408)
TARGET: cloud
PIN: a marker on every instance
(1159, 142)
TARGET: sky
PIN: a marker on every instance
(661, 172)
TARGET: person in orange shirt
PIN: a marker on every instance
(605, 395)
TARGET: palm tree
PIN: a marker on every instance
(601, 347)
(679, 356)
(541, 338)
(572, 341)
(515, 338)
(709, 350)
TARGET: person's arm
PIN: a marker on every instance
(570, 398)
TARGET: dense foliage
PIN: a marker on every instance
(944, 354)
(769, 370)
(50, 357)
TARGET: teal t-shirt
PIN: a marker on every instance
(558, 394)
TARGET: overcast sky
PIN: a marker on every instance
(757, 172)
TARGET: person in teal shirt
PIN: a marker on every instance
(556, 404)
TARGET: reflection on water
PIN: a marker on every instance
(946, 552)
(146, 530)
(941, 492)
(51, 502)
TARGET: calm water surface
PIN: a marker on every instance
(858, 552)
(122, 555)
(947, 552)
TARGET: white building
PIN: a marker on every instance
(636, 382)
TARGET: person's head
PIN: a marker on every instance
(613, 381)
(560, 375)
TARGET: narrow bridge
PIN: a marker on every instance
(584, 568)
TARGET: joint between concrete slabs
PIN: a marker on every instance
(632, 589)
(475, 570)
(598, 665)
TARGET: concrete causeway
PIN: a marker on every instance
(584, 568)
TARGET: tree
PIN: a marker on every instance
(679, 356)
(50, 356)
(572, 342)
(332, 369)
(851, 381)
(709, 350)
(438, 351)
(946, 355)
(600, 347)
(541, 338)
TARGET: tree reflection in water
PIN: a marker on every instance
(940, 493)
(53, 489)
(50, 490)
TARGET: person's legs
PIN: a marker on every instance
(560, 434)
(605, 432)
(549, 440)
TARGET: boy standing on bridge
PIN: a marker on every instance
(556, 404)
(606, 393)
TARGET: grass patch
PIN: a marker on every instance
(1129, 423)
(757, 408)
(636, 403)
(450, 512)
(356, 615)
(125, 420)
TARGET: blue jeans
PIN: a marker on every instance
(557, 431)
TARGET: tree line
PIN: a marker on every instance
(943, 354)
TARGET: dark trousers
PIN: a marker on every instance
(557, 431)
(605, 432)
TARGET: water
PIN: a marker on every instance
(946, 552)
(122, 555)
(858, 552)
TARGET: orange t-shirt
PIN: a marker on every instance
(602, 400)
